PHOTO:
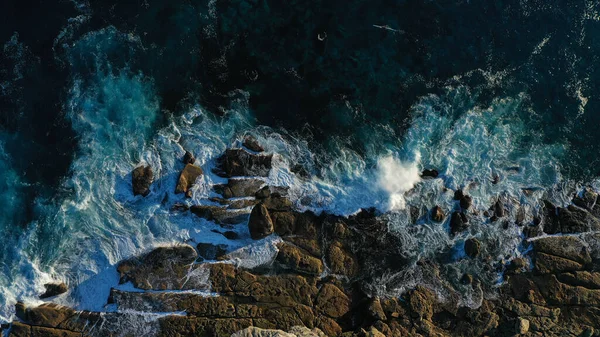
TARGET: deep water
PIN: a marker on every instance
(362, 94)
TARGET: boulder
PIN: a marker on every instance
(458, 223)
(141, 179)
(465, 201)
(54, 289)
(260, 223)
(251, 143)
(188, 158)
(429, 173)
(472, 247)
(437, 214)
(239, 162)
(187, 178)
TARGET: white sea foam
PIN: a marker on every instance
(397, 178)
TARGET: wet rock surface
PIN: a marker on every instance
(318, 283)
(187, 178)
(141, 179)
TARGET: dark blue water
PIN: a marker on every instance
(89, 90)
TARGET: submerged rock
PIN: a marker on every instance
(141, 179)
(54, 289)
(187, 178)
(260, 223)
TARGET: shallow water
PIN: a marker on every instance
(132, 95)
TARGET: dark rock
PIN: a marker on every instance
(211, 252)
(567, 247)
(570, 219)
(300, 170)
(187, 178)
(188, 158)
(437, 214)
(239, 162)
(586, 199)
(236, 188)
(231, 235)
(220, 215)
(458, 223)
(517, 266)
(141, 179)
(465, 201)
(263, 193)
(427, 173)
(260, 223)
(252, 144)
(54, 289)
(375, 310)
(178, 207)
(472, 247)
(466, 279)
(498, 209)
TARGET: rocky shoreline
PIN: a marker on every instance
(317, 283)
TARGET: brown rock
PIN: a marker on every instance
(421, 302)
(54, 289)
(211, 252)
(375, 310)
(187, 178)
(340, 261)
(298, 259)
(162, 268)
(260, 223)
(141, 179)
(332, 301)
(437, 214)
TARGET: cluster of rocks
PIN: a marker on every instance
(317, 284)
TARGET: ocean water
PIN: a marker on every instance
(501, 115)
